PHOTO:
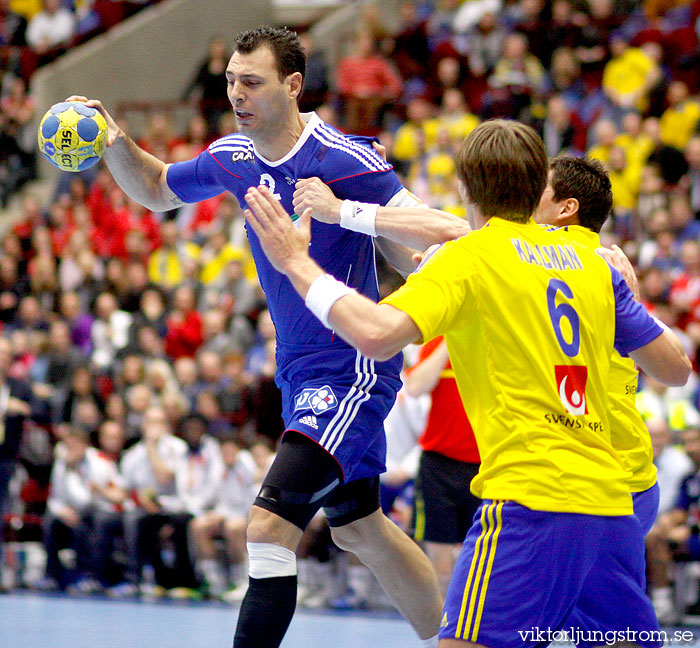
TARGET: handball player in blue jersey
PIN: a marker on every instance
(335, 400)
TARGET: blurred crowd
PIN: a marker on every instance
(145, 340)
(34, 33)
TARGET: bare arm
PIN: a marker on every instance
(140, 175)
(377, 330)
(664, 358)
(408, 225)
(425, 376)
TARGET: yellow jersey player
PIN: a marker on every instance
(531, 319)
(578, 198)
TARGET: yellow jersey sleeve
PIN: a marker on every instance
(437, 297)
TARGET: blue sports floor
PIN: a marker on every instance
(34, 621)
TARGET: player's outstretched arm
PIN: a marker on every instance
(378, 331)
(140, 175)
(664, 358)
(425, 375)
(408, 224)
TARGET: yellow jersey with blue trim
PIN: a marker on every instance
(628, 431)
(531, 319)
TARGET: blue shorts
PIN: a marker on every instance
(521, 573)
(343, 411)
(646, 507)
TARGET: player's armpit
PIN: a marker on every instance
(398, 256)
(664, 359)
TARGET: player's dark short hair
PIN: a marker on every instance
(587, 181)
(284, 44)
(504, 166)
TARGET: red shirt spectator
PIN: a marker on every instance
(367, 74)
(184, 326)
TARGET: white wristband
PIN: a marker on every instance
(322, 294)
(358, 217)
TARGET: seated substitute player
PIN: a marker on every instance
(335, 400)
(530, 320)
(578, 198)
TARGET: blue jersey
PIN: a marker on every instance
(353, 170)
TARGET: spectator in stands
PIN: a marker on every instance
(200, 482)
(82, 390)
(367, 82)
(605, 138)
(13, 26)
(683, 222)
(485, 45)
(184, 335)
(233, 397)
(151, 313)
(692, 155)
(215, 255)
(53, 371)
(208, 88)
(216, 340)
(51, 30)
(658, 401)
(409, 46)
(257, 356)
(316, 86)
(629, 76)
(517, 80)
(636, 144)
(110, 332)
(149, 469)
(680, 119)
(685, 291)
(82, 481)
(557, 129)
(161, 379)
(229, 519)
(17, 110)
(165, 265)
(675, 534)
(15, 409)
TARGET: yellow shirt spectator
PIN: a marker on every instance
(630, 73)
(165, 265)
(213, 266)
(678, 123)
(27, 8)
(637, 149)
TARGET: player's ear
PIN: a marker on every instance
(568, 213)
(462, 192)
(570, 207)
(295, 82)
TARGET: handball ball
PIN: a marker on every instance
(72, 136)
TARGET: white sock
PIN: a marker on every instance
(431, 642)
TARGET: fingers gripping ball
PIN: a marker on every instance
(72, 136)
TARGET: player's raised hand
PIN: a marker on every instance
(419, 257)
(112, 129)
(618, 260)
(313, 194)
(284, 242)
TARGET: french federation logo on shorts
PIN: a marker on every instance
(571, 383)
(317, 400)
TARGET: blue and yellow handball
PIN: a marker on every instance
(72, 136)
